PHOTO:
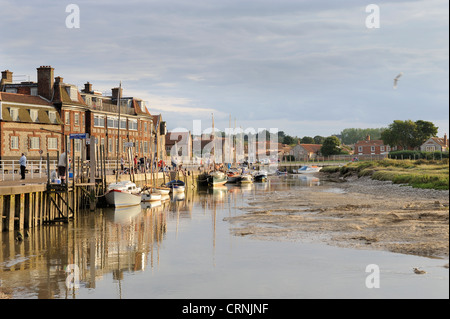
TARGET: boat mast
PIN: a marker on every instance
(118, 132)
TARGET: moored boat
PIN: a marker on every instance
(233, 177)
(217, 178)
(260, 176)
(246, 178)
(176, 186)
(150, 196)
(123, 194)
(308, 169)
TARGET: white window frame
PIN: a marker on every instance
(67, 117)
(132, 125)
(76, 119)
(14, 142)
(52, 143)
(34, 142)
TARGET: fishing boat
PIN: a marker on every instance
(217, 178)
(150, 196)
(260, 176)
(122, 194)
(176, 186)
(308, 169)
(202, 179)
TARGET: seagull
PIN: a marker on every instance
(396, 79)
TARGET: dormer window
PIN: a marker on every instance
(52, 117)
(34, 115)
(14, 113)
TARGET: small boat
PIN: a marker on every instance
(176, 186)
(202, 179)
(123, 194)
(246, 178)
(217, 178)
(280, 173)
(308, 169)
(233, 177)
(260, 176)
(150, 196)
(161, 190)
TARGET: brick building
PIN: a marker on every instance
(371, 147)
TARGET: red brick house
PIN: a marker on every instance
(28, 124)
(371, 147)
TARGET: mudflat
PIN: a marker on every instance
(359, 213)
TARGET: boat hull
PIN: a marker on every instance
(117, 198)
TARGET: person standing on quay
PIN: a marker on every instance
(23, 165)
(62, 163)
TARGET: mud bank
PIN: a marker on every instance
(359, 213)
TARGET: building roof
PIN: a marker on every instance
(177, 137)
(369, 143)
(23, 98)
(440, 141)
(311, 148)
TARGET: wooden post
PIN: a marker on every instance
(11, 213)
(1, 213)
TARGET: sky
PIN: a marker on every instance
(303, 67)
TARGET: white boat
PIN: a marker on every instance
(148, 196)
(246, 179)
(308, 169)
(217, 178)
(176, 186)
(123, 194)
(161, 190)
(233, 177)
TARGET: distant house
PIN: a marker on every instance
(435, 144)
(371, 147)
(305, 151)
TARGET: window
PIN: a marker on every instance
(33, 91)
(99, 121)
(11, 90)
(52, 143)
(73, 93)
(34, 143)
(14, 112)
(132, 125)
(431, 148)
(77, 145)
(360, 148)
(34, 115)
(14, 142)
(67, 118)
(76, 119)
(382, 148)
(52, 116)
(110, 145)
(372, 148)
(123, 124)
(112, 122)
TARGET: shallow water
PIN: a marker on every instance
(184, 249)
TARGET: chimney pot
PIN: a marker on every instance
(87, 87)
(115, 93)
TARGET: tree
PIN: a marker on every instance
(408, 134)
(318, 139)
(307, 140)
(330, 146)
(288, 140)
(353, 135)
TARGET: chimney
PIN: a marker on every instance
(45, 81)
(7, 76)
(88, 88)
(368, 137)
(59, 79)
(445, 139)
(115, 93)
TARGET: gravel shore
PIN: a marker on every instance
(357, 212)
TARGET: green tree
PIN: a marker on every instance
(408, 134)
(318, 139)
(330, 146)
(307, 140)
(353, 135)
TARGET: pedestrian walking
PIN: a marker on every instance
(23, 165)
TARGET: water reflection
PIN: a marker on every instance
(109, 242)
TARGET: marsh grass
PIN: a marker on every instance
(433, 174)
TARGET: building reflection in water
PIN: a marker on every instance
(111, 242)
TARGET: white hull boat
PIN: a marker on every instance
(246, 179)
(123, 194)
(308, 169)
(150, 196)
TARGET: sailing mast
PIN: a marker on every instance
(214, 143)
(118, 131)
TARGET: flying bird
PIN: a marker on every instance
(396, 79)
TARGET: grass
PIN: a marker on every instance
(431, 174)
